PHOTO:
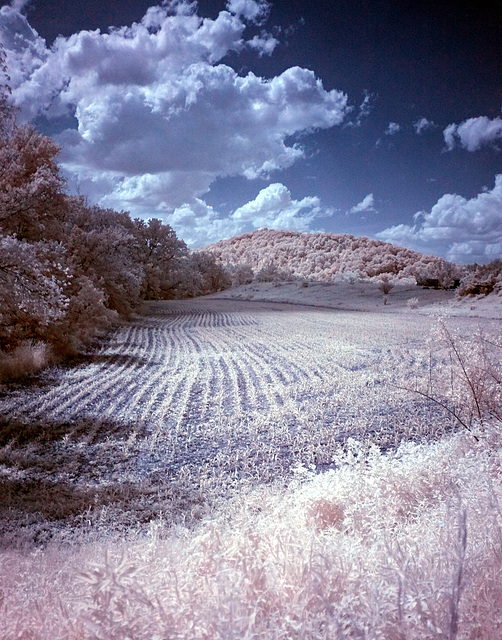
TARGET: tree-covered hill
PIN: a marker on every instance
(322, 256)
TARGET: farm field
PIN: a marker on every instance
(200, 409)
(204, 396)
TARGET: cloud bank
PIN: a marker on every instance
(160, 116)
(471, 230)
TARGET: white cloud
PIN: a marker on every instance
(273, 208)
(25, 50)
(366, 204)
(392, 129)
(159, 116)
(252, 10)
(474, 133)
(264, 44)
(364, 110)
(19, 5)
(199, 224)
(463, 230)
(422, 124)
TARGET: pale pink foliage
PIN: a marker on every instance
(462, 374)
(404, 545)
(319, 256)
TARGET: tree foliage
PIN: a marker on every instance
(68, 269)
(322, 256)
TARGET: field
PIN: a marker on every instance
(224, 468)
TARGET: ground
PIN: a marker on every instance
(254, 464)
(194, 399)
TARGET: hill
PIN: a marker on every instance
(322, 256)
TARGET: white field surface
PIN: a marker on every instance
(366, 296)
(246, 468)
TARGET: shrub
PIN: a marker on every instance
(438, 274)
(463, 375)
(25, 360)
(481, 279)
(241, 274)
(385, 285)
(271, 273)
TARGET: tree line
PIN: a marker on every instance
(69, 269)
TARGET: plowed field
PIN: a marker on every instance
(206, 394)
(189, 366)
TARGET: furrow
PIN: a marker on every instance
(141, 378)
(103, 386)
(161, 392)
(74, 387)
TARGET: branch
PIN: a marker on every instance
(439, 403)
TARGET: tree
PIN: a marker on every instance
(7, 112)
(159, 250)
(199, 274)
(32, 201)
(101, 243)
(31, 293)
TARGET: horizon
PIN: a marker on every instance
(221, 118)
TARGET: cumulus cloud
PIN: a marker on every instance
(252, 10)
(25, 50)
(366, 204)
(160, 117)
(464, 230)
(263, 44)
(273, 208)
(422, 124)
(474, 133)
(392, 129)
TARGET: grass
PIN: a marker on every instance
(347, 509)
(26, 360)
(402, 545)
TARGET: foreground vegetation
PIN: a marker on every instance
(405, 545)
(355, 492)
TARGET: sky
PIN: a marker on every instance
(378, 118)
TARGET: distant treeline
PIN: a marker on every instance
(268, 255)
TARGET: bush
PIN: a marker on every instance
(271, 273)
(241, 274)
(462, 375)
(438, 274)
(25, 360)
(482, 279)
(385, 285)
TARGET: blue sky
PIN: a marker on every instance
(370, 117)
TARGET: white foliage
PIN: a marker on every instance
(320, 256)
(31, 295)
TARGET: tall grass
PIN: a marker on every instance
(404, 545)
(25, 360)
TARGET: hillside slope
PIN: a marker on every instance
(321, 256)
